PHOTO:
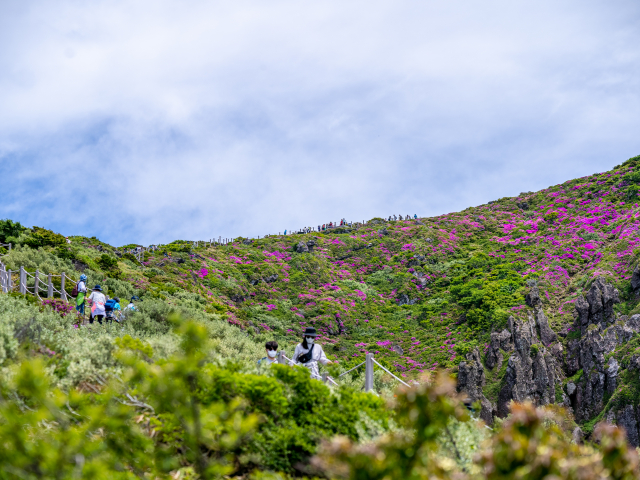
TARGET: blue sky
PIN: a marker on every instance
(148, 121)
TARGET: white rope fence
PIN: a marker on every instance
(7, 246)
(40, 284)
(368, 376)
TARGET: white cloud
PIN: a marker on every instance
(170, 119)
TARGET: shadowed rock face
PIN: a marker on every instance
(471, 380)
(531, 372)
(537, 362)
(499, 342)
(597, 307)
(599, 376)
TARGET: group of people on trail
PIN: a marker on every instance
(101, 307)
(343, 223)
(307, 353)
(399, 217)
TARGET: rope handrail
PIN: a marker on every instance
(383, 368)
(332, 381)
(351, 369)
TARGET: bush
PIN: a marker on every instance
(10, 231)
(41, 237)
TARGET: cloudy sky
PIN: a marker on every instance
(153, 120)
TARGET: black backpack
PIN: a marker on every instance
(305, 357)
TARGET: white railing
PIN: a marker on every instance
(368, 372)
(7, 246)
(41, 284)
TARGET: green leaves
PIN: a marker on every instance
(41, 237)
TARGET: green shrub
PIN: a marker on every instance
(10, 231)
(41, 237)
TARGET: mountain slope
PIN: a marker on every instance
(420, 294)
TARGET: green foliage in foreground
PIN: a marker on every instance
(178, 414)
(531, 444)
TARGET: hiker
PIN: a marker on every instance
(97, 304)
(308, 354)
(285, 232)
(131, 307)
(81, 291)
(111, 307)
(415, 216)
(272, 352)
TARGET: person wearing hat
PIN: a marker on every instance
(309, 354)
(81, 288)
(97, 304)
(131, 306)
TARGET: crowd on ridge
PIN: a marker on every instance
(344, 223)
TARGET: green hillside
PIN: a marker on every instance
(422, 295)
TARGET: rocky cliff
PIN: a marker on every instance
(593, 372)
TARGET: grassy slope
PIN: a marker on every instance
(476, 263)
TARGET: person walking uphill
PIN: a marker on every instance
(309, 354)
(97, 304)
(81, 291)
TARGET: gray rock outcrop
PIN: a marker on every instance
(547, 336)
(635, 280)
(301, 247)
(471, 380)
(599, 376)
(499, 342)
(596, 308)
(531, 372)
(627, 418)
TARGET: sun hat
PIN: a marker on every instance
(98, 287)
(310, 332)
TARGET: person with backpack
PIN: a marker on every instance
(111, 307)
(272, 352)
(98, 301)
(80, 292)
(309, 354)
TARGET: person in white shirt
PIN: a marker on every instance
(98, 300)
(272, 352)
(309, 354)
(131, 307)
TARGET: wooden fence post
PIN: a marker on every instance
(63, 293)
(368, 373)
(23, 282)
(36, 288)
(281, 359)
(324, 377)
(3, 280)
(49, 287)
(9, 281)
